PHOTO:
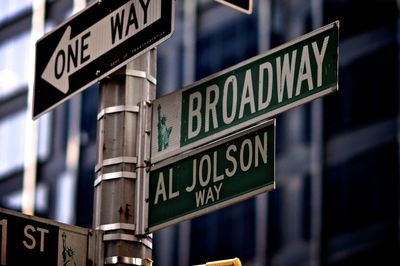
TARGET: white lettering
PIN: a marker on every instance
(211, 107)
(319, 57)
(285, 74)
(27, 229)
(261, 104)
(304, 71)
(194, 176)
(204, 180)
(243, 166)
(218, 189)
(160, 189)
(171, 194)
(194, 114)
(261, 149)
(210, 195)
(216, 177)
(232, 159)
(229, 119)
(42, 232)
(247, 95)
(200, 198)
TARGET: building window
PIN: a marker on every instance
(10, 8)
(362, 192)
(14, 65)
(12, 141)
(225, 47)
(228, 233)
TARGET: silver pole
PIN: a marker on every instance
(123, 146)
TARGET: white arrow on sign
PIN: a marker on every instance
(71, 55)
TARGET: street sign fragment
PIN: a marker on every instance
(245, 6)
(94, 43)
(257, 89)
(214, 176)
(28, 240)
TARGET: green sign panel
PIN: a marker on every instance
(230, 170)
(248, 93)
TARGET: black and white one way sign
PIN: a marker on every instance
(94, 43)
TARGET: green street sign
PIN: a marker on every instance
(257, 89)
(216, 175)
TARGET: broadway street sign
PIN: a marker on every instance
(94, 43)
(223, 173)
(28, 240)
(243, 95)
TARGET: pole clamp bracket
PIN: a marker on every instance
(128, 237)
(118, 109)
(127, 260)
(116, 226)
(113, 176)
(114, 161)
(137, 74)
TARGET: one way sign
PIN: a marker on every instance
(245, 6)
(94, 43)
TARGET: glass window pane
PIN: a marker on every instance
(9, 8)
(14, 64)
(12, 140)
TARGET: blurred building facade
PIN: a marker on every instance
(337, 197)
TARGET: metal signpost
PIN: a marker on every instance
(123, 148)
(161, 161)
(225, 172)
(245, 6)
(94, 43)
(27, 240)
(252, 91)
